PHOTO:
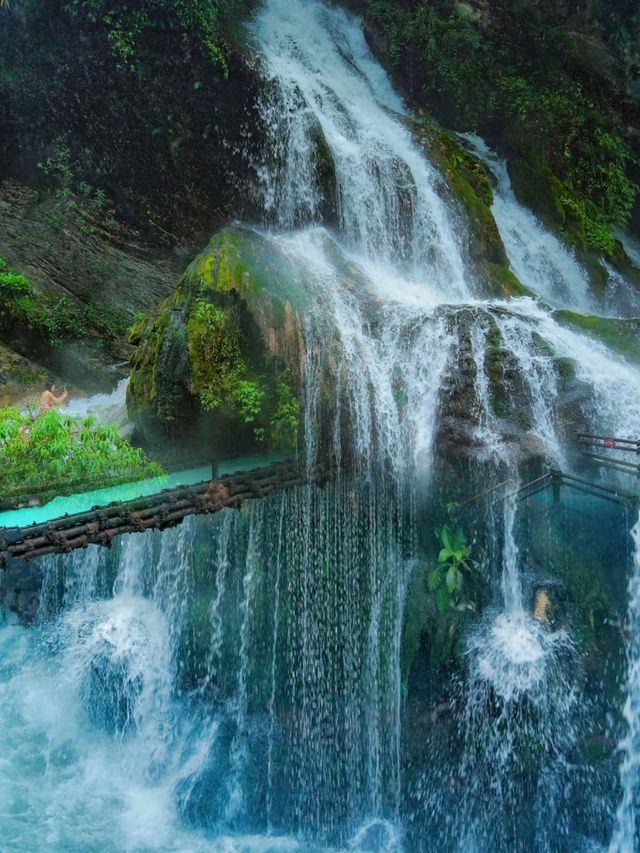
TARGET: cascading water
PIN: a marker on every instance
(540, 260)
(107, 408)
(240, 683)
(626, 836)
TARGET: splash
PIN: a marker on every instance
(626, 836)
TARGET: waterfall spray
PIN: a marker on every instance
(237, 683)
(626, 836)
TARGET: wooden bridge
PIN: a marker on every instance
(168, 508)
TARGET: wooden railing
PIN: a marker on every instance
(160, 511)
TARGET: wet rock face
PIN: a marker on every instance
(220, 364)
(20, 585)
(601, 37)
(20, 378)
(80, 266)
(464, 409)
(165, 135)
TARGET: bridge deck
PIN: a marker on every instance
(160, 510)
(83, 501)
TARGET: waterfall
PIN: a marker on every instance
(539, 259)
(259, 679)
(327, 84)
(626, 835)
(511, 583)
(107, 408)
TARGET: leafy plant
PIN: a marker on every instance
(55, 453)
(454, 562)
(286, 418)
(127, 24)
(75, 200)
(248, 397)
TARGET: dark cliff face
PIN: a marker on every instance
(601, 38)
(167, 137)
(116, 166)
(552, 84)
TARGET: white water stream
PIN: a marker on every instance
(298, 617)
(626, 837)
(538, 258)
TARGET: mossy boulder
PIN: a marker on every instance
(218, 367)
(469, 183)
(622, 335)
(502, 281)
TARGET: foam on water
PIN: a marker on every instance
(106, 408)
(626, 836)
(252, 699)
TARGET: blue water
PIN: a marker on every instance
(71, 504)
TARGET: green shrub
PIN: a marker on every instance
(127, 23)
(12, 284)
(58, 452)
(525, 79)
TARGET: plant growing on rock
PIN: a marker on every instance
(218, 365)
(127, 25)
(54, 319)
(285, 421)
(454, 562)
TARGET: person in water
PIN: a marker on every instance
(48, 399)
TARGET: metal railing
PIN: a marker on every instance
(554, 479)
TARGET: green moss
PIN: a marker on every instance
(470, 184)
(623, 336)
(220, 373)
(503, 283)
(147, 336)
(206, 354)
(532, 186)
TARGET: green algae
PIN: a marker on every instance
(210, 350)
(621, 335)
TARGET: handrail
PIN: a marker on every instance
(634, 441)
(627, 445)
(612, 462)
(538, 480)
(556, 478)
(486, 492)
